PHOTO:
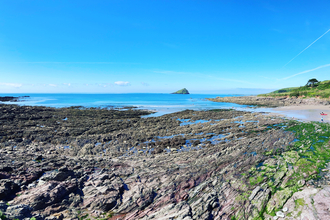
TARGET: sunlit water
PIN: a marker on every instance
(161, 103)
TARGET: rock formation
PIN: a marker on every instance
(75, 163)
(181, 91)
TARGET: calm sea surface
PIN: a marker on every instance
(162, 103)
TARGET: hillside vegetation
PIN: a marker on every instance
(313, 88)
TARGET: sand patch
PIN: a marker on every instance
(304, 112)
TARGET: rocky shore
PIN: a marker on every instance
(271, 101)
(78, 163)
(11, 98)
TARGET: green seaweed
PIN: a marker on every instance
(307, 155)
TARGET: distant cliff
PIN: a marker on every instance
(181, 91)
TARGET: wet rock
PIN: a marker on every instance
(20, 211)
(3, 207)
(7, 189)
(57, 175)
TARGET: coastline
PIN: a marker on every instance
(304, 112)
(307, 110)
(260, 101)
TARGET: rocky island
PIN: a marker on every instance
(181, 91)
(90, 163)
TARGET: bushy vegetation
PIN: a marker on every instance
(313, 88)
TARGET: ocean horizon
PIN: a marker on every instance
(161, 103)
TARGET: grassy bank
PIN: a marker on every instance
(320, 89)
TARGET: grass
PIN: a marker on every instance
(321, 89)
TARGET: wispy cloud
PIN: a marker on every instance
(67, 84)
(306, 47)
(16, 85)
(122, 83)
(51, 62)
(307, 71)
(104, 85)
(53, 85)
(144, 84)
(201, 75)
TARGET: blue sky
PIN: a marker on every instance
(162, 46)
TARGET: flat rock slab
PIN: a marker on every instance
(309, 204)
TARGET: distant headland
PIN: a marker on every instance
(181, 91)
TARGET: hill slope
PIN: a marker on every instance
(320, 89)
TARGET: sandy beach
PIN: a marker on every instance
(304, 112)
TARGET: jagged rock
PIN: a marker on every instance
(7, 189)
(93, 165)
(3, 207)
(47, 194)
(20, 211)
(102, 192)
(57, 175)
(279, 199)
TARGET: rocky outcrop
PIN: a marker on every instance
(270, 101)
(12, 98)
(181, 91)
(222, 164)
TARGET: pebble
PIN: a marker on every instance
(280, 214)
(285, 209)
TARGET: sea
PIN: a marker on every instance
(160, 103)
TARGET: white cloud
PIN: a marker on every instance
(144, 84)
(67, 84)
(53, 85)
(122, 83)
(16, 85)
(307, 71)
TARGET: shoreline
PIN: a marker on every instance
(293, 108)
(304, 112)
(271, 102)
